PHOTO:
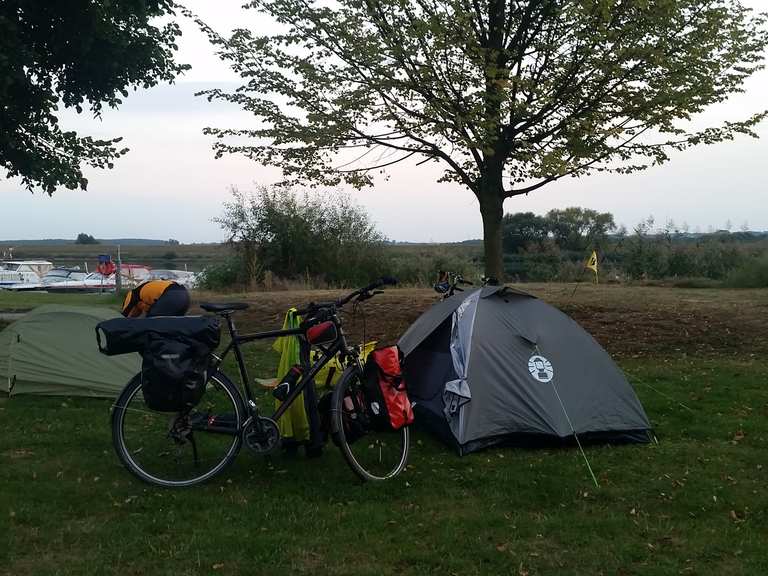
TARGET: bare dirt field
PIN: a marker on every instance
(627, 321)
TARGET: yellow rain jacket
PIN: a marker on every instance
(294, 423)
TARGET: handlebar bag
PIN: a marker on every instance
(322, 333)
(388, 404)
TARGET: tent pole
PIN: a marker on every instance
(576, 436)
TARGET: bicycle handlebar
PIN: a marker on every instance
(367, 290)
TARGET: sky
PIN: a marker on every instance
(170, 185)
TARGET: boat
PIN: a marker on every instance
(95, 282)
(60, 274)
(183, 277)
(55, 275)
(20, 272)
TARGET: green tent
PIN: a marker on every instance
(52, 351)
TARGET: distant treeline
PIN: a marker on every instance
(284, 238)
(107, 241)
(554, 247)
(280, 238)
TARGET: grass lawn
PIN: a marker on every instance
(695, 503)
(23, 301)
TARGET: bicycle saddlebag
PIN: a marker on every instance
(388, 404)
(175, 355)
(126, 335)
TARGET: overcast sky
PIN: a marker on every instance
(170, 186)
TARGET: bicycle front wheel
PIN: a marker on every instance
(177, 449)
(372, 453)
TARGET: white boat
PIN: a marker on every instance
(54, 276)
(61, 274)
(132, 275)
(14, 272)
(183, 277)
(93, 282)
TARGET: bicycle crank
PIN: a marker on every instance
(262, 436)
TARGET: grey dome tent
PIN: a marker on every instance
(52, 351)
(499, 366)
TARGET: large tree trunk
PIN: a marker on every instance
(492, 211)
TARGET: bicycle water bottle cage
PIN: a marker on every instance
(287, 383)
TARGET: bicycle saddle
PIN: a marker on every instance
(223, 306)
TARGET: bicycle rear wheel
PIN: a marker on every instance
(176, 449)
(373, 454)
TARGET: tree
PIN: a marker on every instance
(522, 230)
(579, 228)
(84, 238)
(509, 95)
(78, 54)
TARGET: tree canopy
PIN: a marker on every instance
(523, 229)
(508, 95)
(579, 228)
(571, 228)
(84, 238)
(78, 54)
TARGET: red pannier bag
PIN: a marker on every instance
(388, 404)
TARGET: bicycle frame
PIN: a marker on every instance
(339, 345)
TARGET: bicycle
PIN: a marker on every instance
(448, 284)
(190, 447)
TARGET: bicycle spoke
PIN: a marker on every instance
(173, 448)
(372, 453)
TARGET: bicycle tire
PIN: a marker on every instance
(397, 443)
(227, 396)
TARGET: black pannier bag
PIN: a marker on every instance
(175, 355)
(173, 373)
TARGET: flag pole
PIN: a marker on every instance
(585, 267)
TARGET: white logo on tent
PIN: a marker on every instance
(541, 368)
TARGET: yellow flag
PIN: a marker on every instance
(592, 263)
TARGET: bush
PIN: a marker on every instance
(751, 274)
(227, 275)
(419, 264)
(84, 238)
(301, 236)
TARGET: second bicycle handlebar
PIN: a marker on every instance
(316, 306)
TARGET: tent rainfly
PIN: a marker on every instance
(52, 351)
(499, 366)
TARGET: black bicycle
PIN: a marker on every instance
(190, 447)
(448, 283)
